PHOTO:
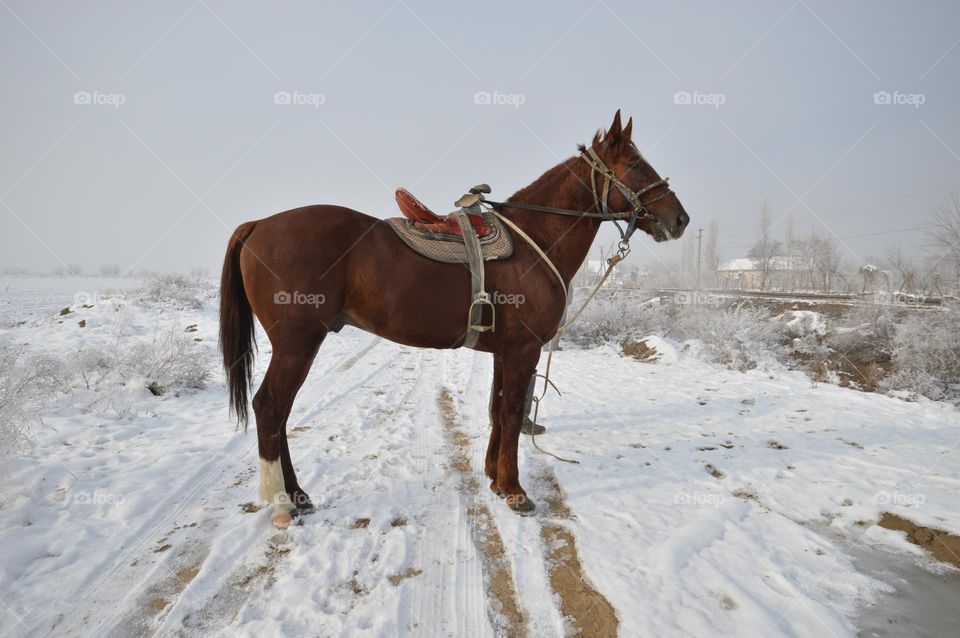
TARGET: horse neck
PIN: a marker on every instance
(565, 239)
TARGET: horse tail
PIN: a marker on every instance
(237, 339)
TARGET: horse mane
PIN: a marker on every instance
(549, 179)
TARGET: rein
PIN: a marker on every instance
(639, 211)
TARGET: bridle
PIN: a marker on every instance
(639, 209)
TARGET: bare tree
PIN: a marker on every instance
(711, 253)
(904, 267)
(790, 239)
(765, 248)
(689, 260)
(825, 259)
(945, 233)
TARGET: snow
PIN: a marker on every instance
(706, 501)
(806, 322)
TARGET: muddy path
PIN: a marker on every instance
(585, 611)
(583, 607)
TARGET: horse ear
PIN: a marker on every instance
(628, 130)
(613, 133)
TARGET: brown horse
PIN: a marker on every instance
(352, 269)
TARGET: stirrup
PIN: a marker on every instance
(475, 313)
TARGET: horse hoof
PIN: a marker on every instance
(284, 519)
(521, 504)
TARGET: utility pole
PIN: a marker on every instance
(699, 244)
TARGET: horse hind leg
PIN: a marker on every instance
(289, 366)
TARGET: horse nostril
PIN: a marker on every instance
(681, 221)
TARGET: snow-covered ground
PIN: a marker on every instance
(705, 502)
(25, 297)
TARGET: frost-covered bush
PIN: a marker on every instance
(866, 334)
(926, 356)
(172, 360)
(93, 366)
(613, 318)
(182, 291)
(27, 384)
(739, 337)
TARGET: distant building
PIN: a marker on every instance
(782, 273)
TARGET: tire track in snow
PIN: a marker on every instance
(504, 608)
(587, 611)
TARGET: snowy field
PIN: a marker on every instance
(23, 298)
(705, 502)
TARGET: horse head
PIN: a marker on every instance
(664, 217)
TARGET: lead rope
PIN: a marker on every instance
(622, 253)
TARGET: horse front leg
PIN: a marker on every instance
(518, 369)
(496, 398)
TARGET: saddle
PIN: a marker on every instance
(467, 236)
(425, 220)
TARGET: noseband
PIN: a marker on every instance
(637, 211)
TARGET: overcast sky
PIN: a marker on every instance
(176, 135)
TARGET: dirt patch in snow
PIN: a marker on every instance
(641, 351)
(504, 602)
(396, 579)
(586, 609)
(943, 545)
